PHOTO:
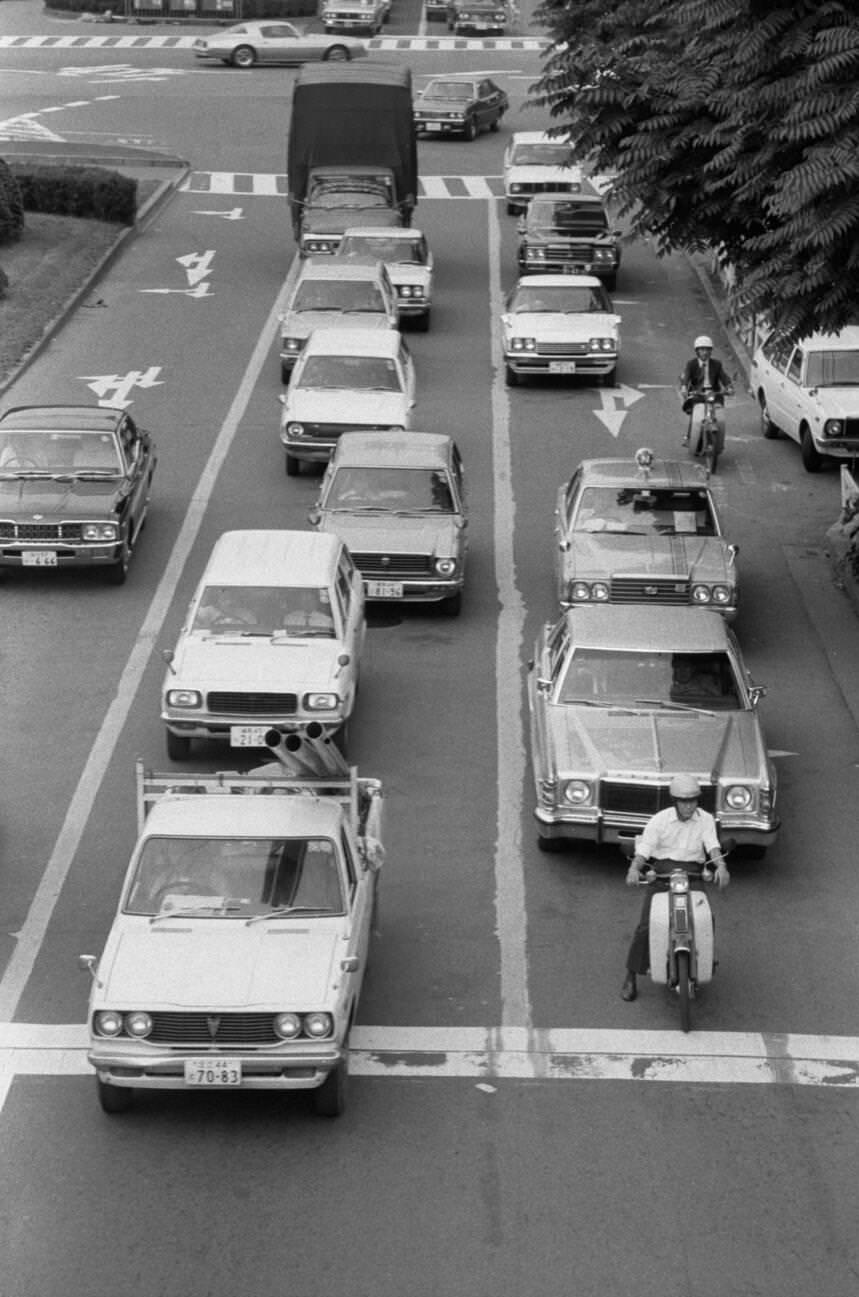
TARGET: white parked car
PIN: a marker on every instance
(272, 640)
(536, 162)
(358, 296)
(346, 380)
(809, 390)
(556, 325)
(408, 261)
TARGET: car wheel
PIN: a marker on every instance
(511, 378)
(293, 466)
(452, 606)
(610, 282)
(336, 54)
(753, 851)
(118, 571)
(470, 131)
(114, 1098)
(422, 322)
(244, 56)
(493, 125)
(768, 428)
(178, 746)
(329, 1100)
(811, 457)
(551, 846)
(285, 373)
(512, 209)
(609, 378)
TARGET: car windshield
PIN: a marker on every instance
(301, 612)
(345, 295)
(403, 251)
(639, 510)
(833, 369)
(566, 217)
(409, 490)
(234, 877)
(349, 373)
(569, 301)
(457, 90)
(649, 678)
(59, 453)
(540, 155)
(335, 194)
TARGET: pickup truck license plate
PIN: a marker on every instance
(562, 366)
(248, 736)
(39, 558)
(215, 1072)
(385, 589)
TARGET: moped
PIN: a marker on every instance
(708, 440)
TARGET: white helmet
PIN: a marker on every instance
(703, 341)
(684, 786)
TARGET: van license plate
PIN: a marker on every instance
(215, 1072)
(248, 736)
(39, 558)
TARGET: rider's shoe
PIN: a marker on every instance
(629, 990)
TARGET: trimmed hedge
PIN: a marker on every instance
(91, 192)
(11, 205)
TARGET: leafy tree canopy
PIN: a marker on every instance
(730, 124)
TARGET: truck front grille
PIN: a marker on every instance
(251, 704)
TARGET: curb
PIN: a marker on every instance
(145, 214)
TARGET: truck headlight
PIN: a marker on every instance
(321, 702)
(107, 1023)
(138, 1024)
(184, 698)
(103, 531)
(576, 791)
(739, 797)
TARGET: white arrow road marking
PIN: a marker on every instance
(197, 265)
(610, 416)
(201, 290)
(236, 214)
(121, 385)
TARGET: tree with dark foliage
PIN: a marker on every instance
(727, 124)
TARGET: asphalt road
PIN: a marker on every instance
(513, 1126)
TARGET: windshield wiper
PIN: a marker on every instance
(673, 707)
(283, 911)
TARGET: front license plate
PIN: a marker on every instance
(432, 126)
(385, 589)
(215, 1072)
(562, 366)
(248, 736)
(39, 558)
(574, 270)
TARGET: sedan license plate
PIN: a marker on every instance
(385, 589)
(562, 366)
(432, 126)
(39, 558)
(214, 1072)
(248, 736)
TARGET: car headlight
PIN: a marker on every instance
(722, 594)
(584, 591)
(576, 791)
(515, 187)
(318, 1025)
(295, 429)
(701, 594)
(535, 254)
(603, 254)
(739, 798)
(287, 1026)
(602, 344)
(321, 702)
(108, 1023)
(523, 344)
(293, 344)
(105, 531)
(445, 566)
(457, 117)
(138, 1024)
(833, 428)
(184, 698)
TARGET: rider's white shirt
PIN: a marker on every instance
(666, 837)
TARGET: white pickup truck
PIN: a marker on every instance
(238, 949)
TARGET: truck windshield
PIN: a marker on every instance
(235, 877)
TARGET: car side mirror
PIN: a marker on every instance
(282, 399)
(350, 964)
(313, 517)
(756, 693)
(543, 685)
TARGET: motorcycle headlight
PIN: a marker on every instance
(321, 702)
(184, 698)
(318, 1025)
(287, 1026)
(701, 594)
(104, 531)
(738, 797)
(445, 566)
(138, 1024)
(108, 1023)
(576, 791)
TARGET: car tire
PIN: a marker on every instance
(452, 605)
(511, 378)
(768, 428)
(422, 322)
(551, 846)
(336, 54)
(114, 1098)
(812, 459)
(512, 209)
(118, 571)
(753, 851)
(243, 56)
(178, 746)
(609, 378)
(329, 1099)
(470, 131)
(610, 282)
(293, 466)
(493, 125)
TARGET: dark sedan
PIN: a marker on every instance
(75, 483)
(459, 106)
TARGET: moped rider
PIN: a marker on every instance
(704, 370)
(680, 834)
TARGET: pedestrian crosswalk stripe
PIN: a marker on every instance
(440, 44)
(269, 185)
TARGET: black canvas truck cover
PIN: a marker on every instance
(345, 115)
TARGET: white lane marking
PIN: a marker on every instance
(32, 933)
(499, 1053)
(261, 184)
(441, 44)
(510, 908)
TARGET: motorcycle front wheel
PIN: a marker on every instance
(684, 989)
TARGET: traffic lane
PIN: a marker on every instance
(628, 1186)
(580, 920)
(424, 722)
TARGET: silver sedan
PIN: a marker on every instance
(247, 44)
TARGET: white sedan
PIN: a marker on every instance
(247, 44)
(556, 325)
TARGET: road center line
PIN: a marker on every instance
(32, 933)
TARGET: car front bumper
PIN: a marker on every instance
(441, 126)
(220, 728)
(133, 1066)
(591, 826)
(559, 264)
(61, 554)
(532, 363)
